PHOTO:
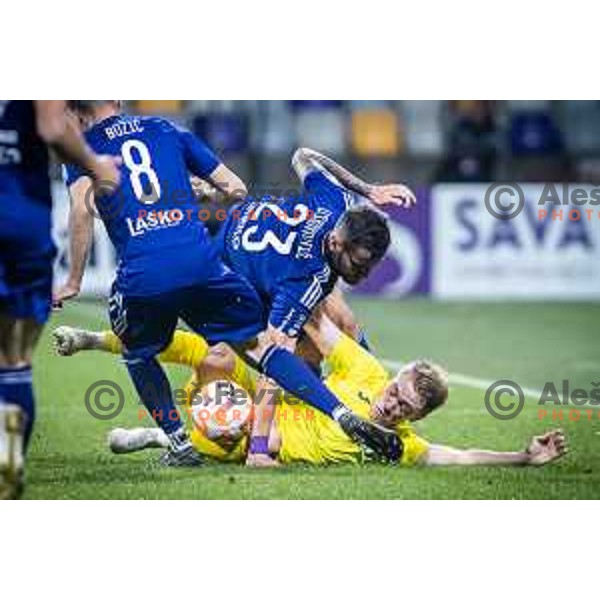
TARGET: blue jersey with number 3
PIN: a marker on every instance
(278, 245)
(152, 219)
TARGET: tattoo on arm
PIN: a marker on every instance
(306, 160)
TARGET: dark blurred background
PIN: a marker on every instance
(423, 142)
(452, 153)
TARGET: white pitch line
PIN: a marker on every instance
(467, 381)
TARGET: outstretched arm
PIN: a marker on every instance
(306, 160)
(263, 434)
(81, 232)
(542, 449)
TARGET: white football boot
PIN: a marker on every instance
(125, 441)
(70, 340)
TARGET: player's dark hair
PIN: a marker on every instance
(367, 228)
(86, 107)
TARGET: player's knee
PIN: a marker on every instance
(14, 352)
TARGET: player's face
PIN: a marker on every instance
(400, 401)
(351, 263)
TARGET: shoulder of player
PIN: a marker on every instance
(405, 429)
(141, 122)
(160, 123)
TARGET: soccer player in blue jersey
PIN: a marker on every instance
(169, 268)
(27, 128)
(293, 250)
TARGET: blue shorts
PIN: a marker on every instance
(225, 308)
(26, 258)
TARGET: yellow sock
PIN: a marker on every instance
(188, 349)
(111, 343)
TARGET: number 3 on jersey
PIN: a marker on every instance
(137, 159)
(301, 213)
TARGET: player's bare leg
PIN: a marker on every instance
(9, 341)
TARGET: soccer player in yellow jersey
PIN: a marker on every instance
(299, 433)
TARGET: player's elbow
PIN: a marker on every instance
(299, 157)
(229, 183)
(241, 191)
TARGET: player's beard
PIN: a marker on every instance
(333, 260)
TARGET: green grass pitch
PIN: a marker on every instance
(530, 343)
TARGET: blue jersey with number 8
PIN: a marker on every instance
(152, 218)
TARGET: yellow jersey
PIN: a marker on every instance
(307, 435)
(357, 378)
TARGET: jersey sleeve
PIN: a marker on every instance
(71, 173)
(414, 446)
(199, 158)
(328, 193)
(289, 313)
(296, 299)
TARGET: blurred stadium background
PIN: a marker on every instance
(450, 151)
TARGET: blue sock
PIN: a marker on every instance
(154, 390)
(296, 377)
(316, 369)
(16, 388)
(362, 340)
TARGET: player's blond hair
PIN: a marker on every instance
(431, 383)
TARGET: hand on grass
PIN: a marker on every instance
(546, 448)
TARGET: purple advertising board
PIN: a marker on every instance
(406, 268)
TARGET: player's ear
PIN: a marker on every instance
(335, 241)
